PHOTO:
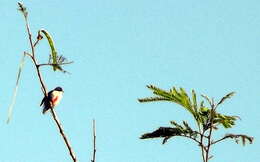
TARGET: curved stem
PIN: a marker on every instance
(44, 89)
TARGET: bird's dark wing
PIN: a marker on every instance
(44, 98)
(46, 102)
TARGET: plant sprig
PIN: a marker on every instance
(206, 117)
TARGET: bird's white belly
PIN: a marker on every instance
(56, 97)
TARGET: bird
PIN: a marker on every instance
(52, 99)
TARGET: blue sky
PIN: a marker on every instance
(118, 47)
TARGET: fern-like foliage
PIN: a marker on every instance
(229, 95)
(169, 132)
(206, 117)
(177, 96)
(203, 115)
(55, 60)
(59, 61)
(241, 137)
(238, 138)
(218, 119)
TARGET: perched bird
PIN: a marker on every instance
(52, 100)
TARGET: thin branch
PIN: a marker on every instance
(39, 37)
(199, 142)
(203, 149)
(47, 64)
(55, 118)
(212, 114)
(214, 142)
(29, 35)
(36, 42)
(194, 139)
(33, 55)
(235, 136)
(43, 87)
(94, 142)
(201, 134)
(28, 54)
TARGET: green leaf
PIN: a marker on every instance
(207, 98)
(177, 96)
(194, 100)
(229, 95)
(202, 104)
(159, 92)
(152, 99)
(185, 99)
(204, 109)
(188, 128)
(225, 120)
(53, 50)
(176, 125)
(10, 108)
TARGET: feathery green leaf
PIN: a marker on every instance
(194, 100)
(229, 95)
(207, 98)
(238, 137)
(152, 99)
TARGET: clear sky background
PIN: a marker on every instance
(118, 47)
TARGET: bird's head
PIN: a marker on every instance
(58, 89)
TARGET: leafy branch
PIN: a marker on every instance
(237, 138)
(206, 117)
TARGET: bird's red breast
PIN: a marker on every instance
(56, 97)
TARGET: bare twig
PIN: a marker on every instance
(212, 116)
(203, 150)
(43, 87)
(39, 37)
(47, 64)
(94, 142)
(214, 142)
(55, 118)
(36, 42)
(33, 55)
(194, 139)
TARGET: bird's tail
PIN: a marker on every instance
(45, 109)
(46, 106)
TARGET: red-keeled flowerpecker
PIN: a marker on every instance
(52, 100)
